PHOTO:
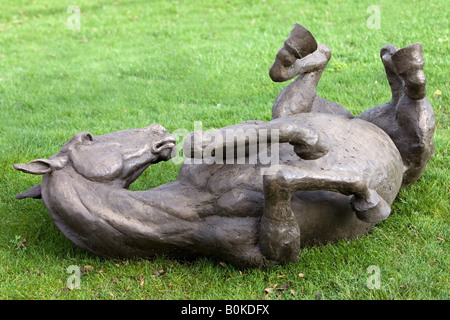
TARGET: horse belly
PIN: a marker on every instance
(357, 147)
(325, 216)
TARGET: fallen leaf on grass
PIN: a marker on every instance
(283, 287)
(268, 290)
(87, 268)
(275, 287)
(158, 273)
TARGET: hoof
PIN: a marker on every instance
(300, 42)
(409, 64)
(374, 210)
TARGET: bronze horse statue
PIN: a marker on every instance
(331, 176)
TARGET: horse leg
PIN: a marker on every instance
(384, 115)
(301, 57)
(308, 143)
(414, 114)
(279, 232)
(299, 96)
(409, 118)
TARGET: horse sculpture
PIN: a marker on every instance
(335, 175)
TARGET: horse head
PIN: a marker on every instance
(117, 158)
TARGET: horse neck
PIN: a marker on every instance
(73, 194)
(105, 219)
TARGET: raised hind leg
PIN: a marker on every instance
(299, 95)
(301, 57)
(414, 114)
(409, 117)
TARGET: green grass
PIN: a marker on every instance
(134, 63)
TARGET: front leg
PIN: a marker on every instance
(250, 136)
(279, 233)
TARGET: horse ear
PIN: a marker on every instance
(42, 166)
(83, 137)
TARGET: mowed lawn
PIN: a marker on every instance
(134, 63)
